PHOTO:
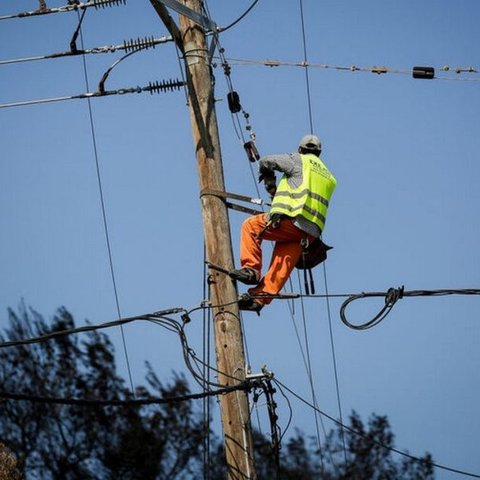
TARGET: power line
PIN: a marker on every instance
(332, 342)
(379, 70)
(73, 5)
(392, 449)
(152, 87)
(246, 385)
(161, 314)
(334, 360)
(239, 19)
(308, 368)
(305, 61)
(89, 328)
(128, 45)
(391, 296)
(101, 194)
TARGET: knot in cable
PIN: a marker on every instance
(392, 295)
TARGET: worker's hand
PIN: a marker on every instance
(265, 173)
(270, 185)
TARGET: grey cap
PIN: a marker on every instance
(310, 142)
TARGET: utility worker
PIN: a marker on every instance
(298, 212)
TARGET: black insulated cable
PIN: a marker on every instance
(391, 297)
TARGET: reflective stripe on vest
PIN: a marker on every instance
(311, 198)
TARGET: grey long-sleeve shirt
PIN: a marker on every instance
(290, 164)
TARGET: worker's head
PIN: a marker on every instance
(310, 144)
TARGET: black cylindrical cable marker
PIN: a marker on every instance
(426, 73)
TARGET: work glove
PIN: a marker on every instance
(270, 185)
(267, 176)
(265, 173)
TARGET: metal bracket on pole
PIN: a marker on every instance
(196, 17)
(258, 376)
(191, 14)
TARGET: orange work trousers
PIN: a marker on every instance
(286, 252)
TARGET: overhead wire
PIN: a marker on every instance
(102, 203)
(391, 296)
(160, 318)
(380, 444)
(127, 45)
(308, 369)
(240, 18)
(332, 342)
(152, 87)
(308, 364)
(206, 333)
(305, 61)
(89, 328)
(124, 402)
(379, 70)
(349, 296)
(334, 360)
(73, 6)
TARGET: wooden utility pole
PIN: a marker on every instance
(191, 40)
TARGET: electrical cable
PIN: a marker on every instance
(308, 367)
(152, 87)
(206, 317)
(66, 8)
(392, 449)
(290, 411)
(160, 318)
(392, 295)
(305, 61)
(140, 47)
(332, 342)
(239, 19)
(186, 313)
(246, 385)
(87, 328)
(127, 45)
(102, 199)
(353, 68)
(334, 360)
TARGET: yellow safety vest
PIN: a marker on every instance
(311, 198)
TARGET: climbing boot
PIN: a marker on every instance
(248, 276)
(249, 304)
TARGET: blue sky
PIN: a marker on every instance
(405, 212)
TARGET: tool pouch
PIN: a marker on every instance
(313, 254)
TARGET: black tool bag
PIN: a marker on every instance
(313, 254)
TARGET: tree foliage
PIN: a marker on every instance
(50, 441)
(8, 465)
(65, 442)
